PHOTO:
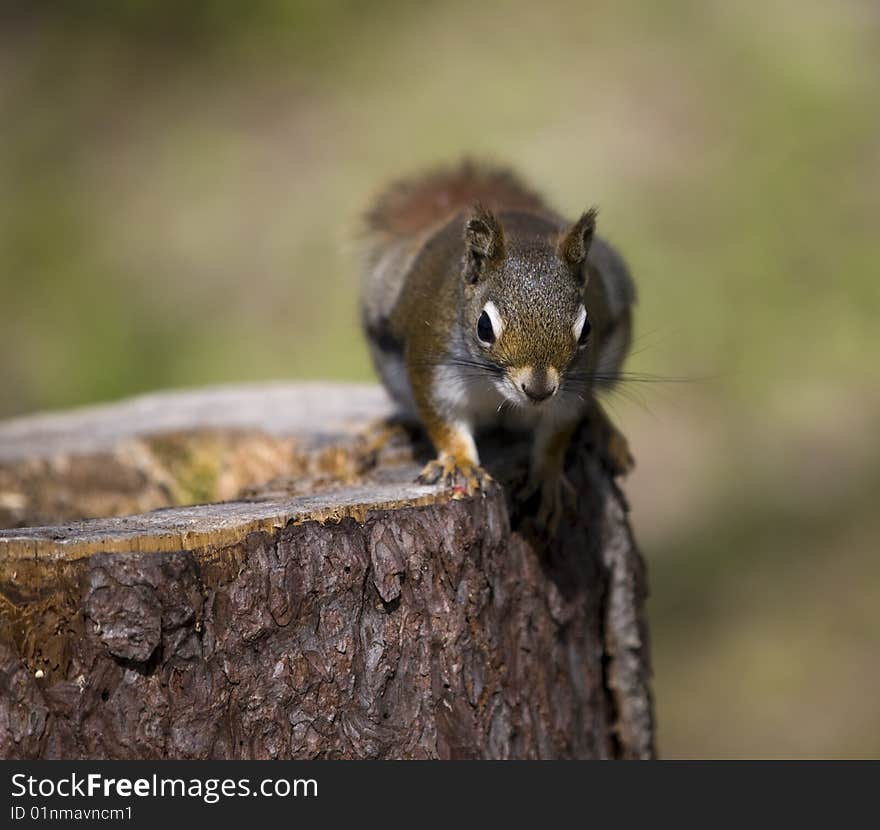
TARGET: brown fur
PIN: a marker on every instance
(409, 206)
(440, 248)
(575, 244)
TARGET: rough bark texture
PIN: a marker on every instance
(340, 611)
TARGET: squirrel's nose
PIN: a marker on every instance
(538, 395)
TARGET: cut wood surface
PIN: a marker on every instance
(323, 605)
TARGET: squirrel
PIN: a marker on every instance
(483, 307)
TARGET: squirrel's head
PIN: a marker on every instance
(524, 312)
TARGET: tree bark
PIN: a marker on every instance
(331, 608)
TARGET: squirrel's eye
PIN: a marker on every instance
(581, 328)
(484, 329)
(585, 334)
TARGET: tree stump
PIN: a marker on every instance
(323, 606)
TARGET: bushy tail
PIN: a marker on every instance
(411, 206)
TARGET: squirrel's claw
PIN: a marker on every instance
(466, 477)
(557, 496)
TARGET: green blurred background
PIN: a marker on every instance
(181, 186)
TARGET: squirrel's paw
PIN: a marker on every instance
(617, 450)
(556, 496)
(613, 445)
(465, 477)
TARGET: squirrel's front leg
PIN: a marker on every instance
(547, 475)
(457, 463)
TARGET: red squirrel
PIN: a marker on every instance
(483, 306)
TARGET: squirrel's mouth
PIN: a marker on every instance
(533, 387)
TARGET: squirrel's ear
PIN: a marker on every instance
(575, 244)
(483, 243)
